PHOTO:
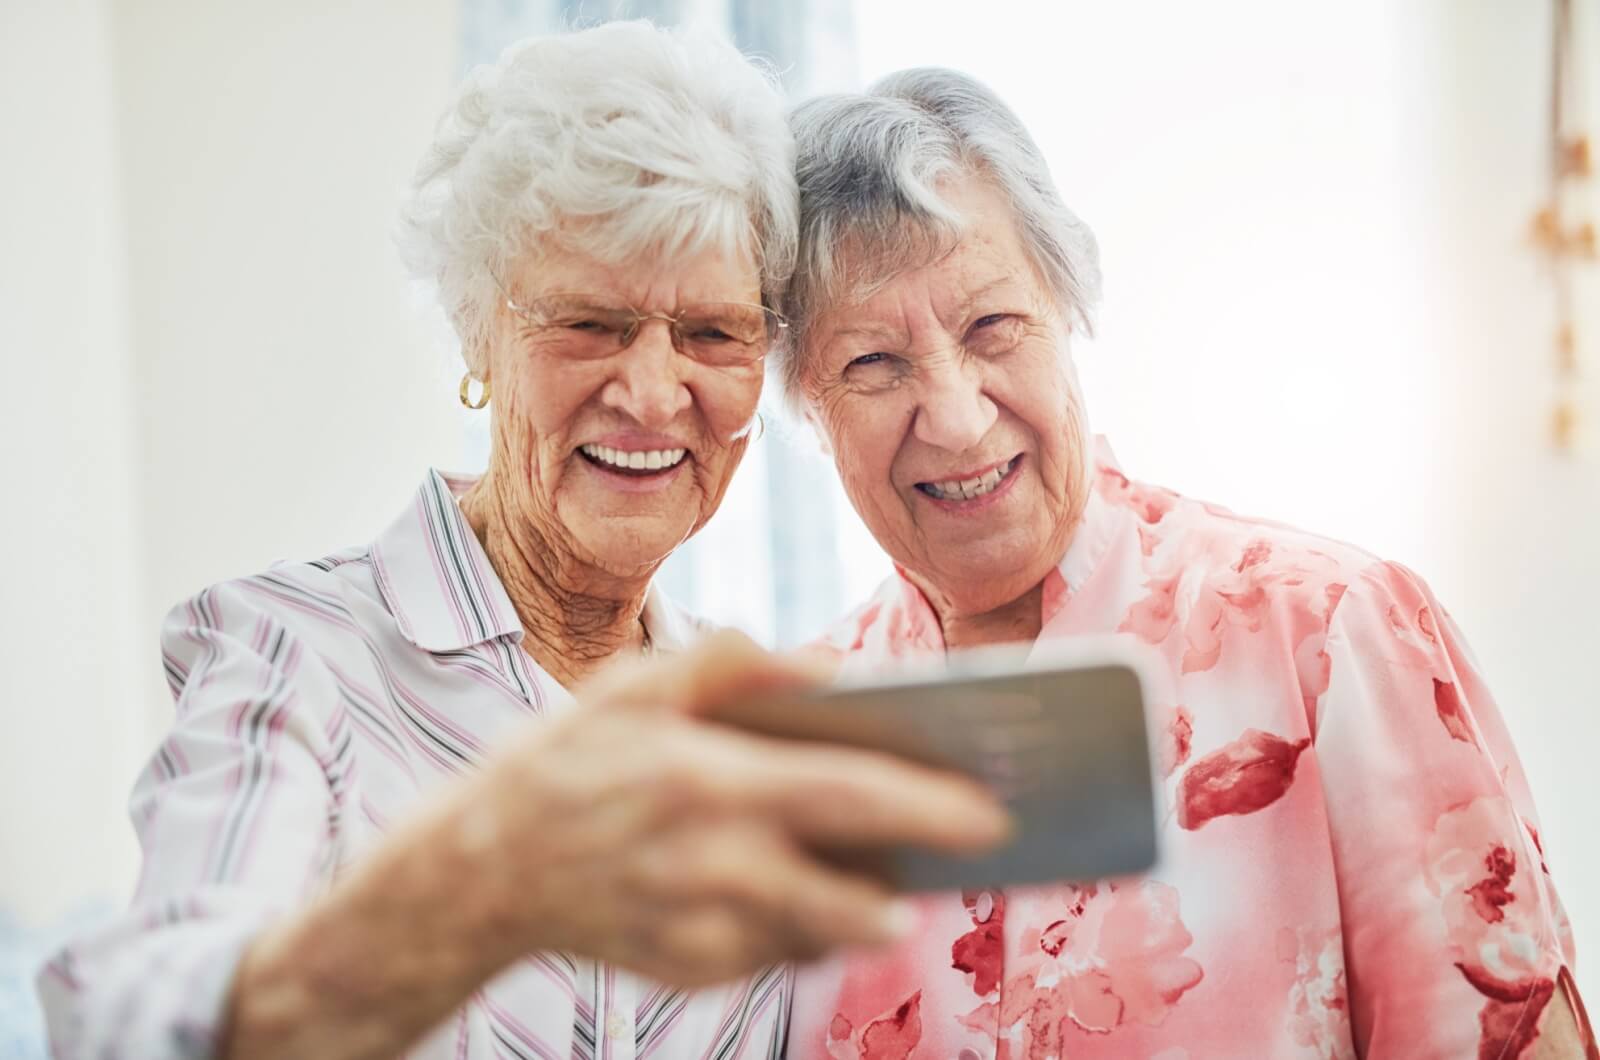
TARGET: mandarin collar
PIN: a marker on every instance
(435, 576)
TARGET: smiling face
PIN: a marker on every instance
(564, 427)
(953, 416)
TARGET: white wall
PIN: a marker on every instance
(1520, 524)
(288, 396)
(212, 359)
(70, 535)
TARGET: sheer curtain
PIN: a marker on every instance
(784, 555)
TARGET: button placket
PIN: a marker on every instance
(983, 907)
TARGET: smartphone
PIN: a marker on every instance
(1062, 738)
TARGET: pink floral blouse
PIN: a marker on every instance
(1351, 861)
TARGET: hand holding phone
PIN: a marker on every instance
(1062, 740)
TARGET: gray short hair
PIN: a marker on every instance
(868, 165)
(641, 138)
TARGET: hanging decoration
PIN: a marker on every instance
(1562, 231)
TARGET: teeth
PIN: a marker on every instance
(967, 489)
(636, 460)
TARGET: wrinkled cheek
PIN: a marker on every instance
(729, 406)
(514, 439)
(874, 499)
(1075, 444)
(1077, 412)
(532, 409)
(714, 475)
(841, 431)
(1054, 414)
(534, 454)
(863, 453)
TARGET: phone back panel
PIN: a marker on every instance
(1067, 749)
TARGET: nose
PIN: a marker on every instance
(648, 385)
(955, 412)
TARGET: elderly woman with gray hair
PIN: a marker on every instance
(382, 821)
(1351, 862)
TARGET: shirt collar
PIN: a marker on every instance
(435, 577)
(446, 596)
(671, 628)
(1097, 528)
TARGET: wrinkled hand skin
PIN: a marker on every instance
(1564, 1032)
(626, 831)
(680, 849)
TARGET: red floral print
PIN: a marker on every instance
(1351, 866)
(1247, 775)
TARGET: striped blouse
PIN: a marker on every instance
(317, 704)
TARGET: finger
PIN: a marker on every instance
(785, 904)
(822, 660)
(729, 665)
(831, 796)
(693, 946)
(818, 908)
(724, 666)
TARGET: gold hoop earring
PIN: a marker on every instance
(466, 391)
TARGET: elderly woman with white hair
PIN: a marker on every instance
(382, 821)
(1351, 863)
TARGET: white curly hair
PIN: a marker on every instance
(639, 138)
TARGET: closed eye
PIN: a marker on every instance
(994, 334)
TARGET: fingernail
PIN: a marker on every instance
(813, 665)
(990, 823)
(1006, 828)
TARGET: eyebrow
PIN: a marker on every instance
(978, 294)
(887, 331)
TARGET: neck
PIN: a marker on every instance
(574, 618)
(1018, 620)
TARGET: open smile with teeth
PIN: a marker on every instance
(635, 461)
(969, 488)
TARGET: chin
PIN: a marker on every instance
(626, 547)
(981, 575)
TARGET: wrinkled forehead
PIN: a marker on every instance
(867, 261)
(931, 303)
(943, 276)
(577, 257)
